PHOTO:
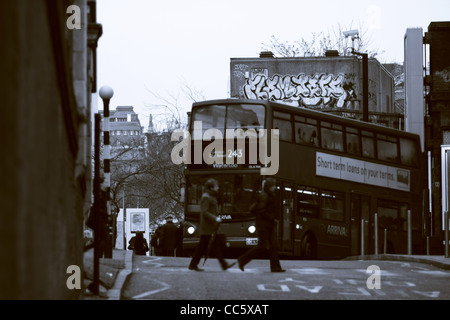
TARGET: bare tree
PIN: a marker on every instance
(160, 181)
(321, 42)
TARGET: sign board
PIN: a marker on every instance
(137, 220)
(344, 168)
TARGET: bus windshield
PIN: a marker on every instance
(236, 193)
(233, 116)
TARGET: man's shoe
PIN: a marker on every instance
(278, 270)
(228, 266)
(241, 266)
(196, 268)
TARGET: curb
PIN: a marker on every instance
(392, 257)
(115, 292)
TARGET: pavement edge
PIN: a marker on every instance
(408, 258)
(115, 292)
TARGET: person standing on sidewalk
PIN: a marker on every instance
(209, 223)
(264, 209)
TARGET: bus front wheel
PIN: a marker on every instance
(309, 247)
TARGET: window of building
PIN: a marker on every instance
(331, 136)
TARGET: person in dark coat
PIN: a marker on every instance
(209, 223)
(139, 244)
(265, 226)
(100, 208)
(168, 238)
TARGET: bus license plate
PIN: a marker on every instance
(251, 241)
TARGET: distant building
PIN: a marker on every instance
(331, 83)
(397, 72)
(128, 141)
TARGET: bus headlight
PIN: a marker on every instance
(191, 230)
(251, 229)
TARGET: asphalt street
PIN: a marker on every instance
(168, 278)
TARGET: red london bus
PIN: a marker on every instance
(333, 175)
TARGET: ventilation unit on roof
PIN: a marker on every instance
(266, 54)
(331, 53)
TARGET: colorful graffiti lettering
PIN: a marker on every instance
(308, 90)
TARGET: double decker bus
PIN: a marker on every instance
(333, 174)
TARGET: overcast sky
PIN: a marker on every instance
(158, 46)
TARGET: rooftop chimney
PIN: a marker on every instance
(266, 54)
(331, 53)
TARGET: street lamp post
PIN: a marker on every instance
(365, 65)
(106, 93)
(354, 34)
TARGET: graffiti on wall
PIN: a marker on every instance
(320, 89)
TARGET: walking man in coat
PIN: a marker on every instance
(168, 239)
(209, 223)
(265, 226)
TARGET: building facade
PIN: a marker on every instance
(331, 83)
(128, 141)
(437, 126)
(48, 76)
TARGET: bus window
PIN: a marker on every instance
(332, 205)
(210, 117)
(306, 131)
(392, 215)
(368, 144)
(238, 192)
(387, 148)
(408, 152)
(331, 136)
(307, 201)
(282, 122)
(194, 191)
(245, 116)
(352, 138)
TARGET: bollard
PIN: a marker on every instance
(446, 233)
(96, 276)
(385, 241)
(409, 234)
(376, 233)
(362, 237)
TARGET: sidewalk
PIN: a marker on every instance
(436, 260)
(112, 274)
